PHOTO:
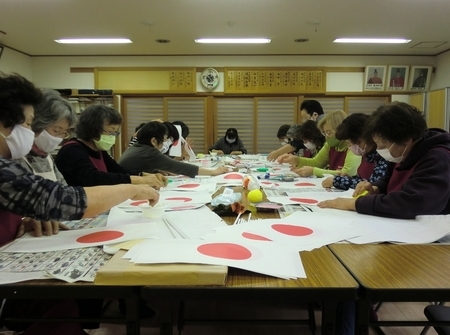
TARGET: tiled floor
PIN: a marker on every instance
(388, 311)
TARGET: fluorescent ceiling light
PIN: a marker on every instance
(372, 40)
(94, 40)
(233, 40)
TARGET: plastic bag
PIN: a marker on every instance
(226, 198)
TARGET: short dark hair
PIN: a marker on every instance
(184, 128)
(92, 118)
(16, 91)
(352, 127)
(173, 131)
(397, 122)
(139, 126)
(152, 129)
(308, 131)
(282, 131)
(232, 133)
(311, 107)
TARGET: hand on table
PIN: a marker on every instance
(219, 152)
(236, 153)
(48, 227)
(145, 192)
(272, 156)
(365, 186)
(304, 171)
(339, 203)
(155, 180)
(288, 158)
(220, 170)
(328, 182)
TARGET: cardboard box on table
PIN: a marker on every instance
(119, 271)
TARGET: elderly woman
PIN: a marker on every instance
(54, 117)
(333, 158)
(147, 154)
(85, 161)
(418, 182)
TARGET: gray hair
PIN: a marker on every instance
(293, 131)
(52, 108)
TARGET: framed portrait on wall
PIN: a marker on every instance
(374, 79)
(420, 78)
(397, 77)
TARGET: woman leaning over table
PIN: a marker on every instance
(334, 157)
(419, 182)
(25, 194)
(85, 161)
(148, 154)
(372, 166)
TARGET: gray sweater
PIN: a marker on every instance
(142, 157)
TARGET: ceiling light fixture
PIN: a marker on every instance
(94, 40)
(372, 40)
(233, 40)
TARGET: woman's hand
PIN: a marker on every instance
(339, 203)
(155, 180)
(328, 182)
(48, 227)
(219, 152)
(288, 158)
(145, 192)
(363, 186)
(304, 171)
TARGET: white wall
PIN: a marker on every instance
(13, 61)
(54, 72)
(442, 74)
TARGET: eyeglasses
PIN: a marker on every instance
(60, 132)
(328, 133)
(112, 133)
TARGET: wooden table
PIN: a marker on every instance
(327, 281)
(391, 272)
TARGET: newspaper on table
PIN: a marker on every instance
(68, 265)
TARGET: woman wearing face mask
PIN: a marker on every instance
(148, 154)
(372, 166)
(312, 138)
(334, 157)
(54, 117)
(85, 161)
(230, 144)
(419, 182)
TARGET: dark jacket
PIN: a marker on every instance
(420, 185)
(227, 148)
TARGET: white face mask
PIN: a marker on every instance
(357, 150)
(166, 146)
(19, 141)
(386, 154)
(283, 143)
(47, 142)
(310, 145)
(231, 140)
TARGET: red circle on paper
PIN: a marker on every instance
(251, 236)
(269, 183)
(304, 200)
(305, 184)
(233, 176)
(174, 144)
(291, 230)
(140, 202)
(101, 236)
(189, 186)
(179, 199)
(225, 250)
